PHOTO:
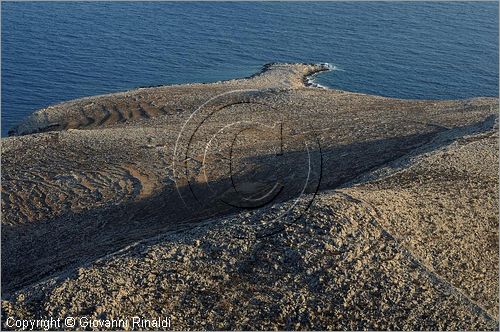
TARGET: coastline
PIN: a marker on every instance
(310, 79)
(72, 114)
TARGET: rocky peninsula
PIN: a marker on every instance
(257, 203)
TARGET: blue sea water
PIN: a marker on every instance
(53, 51)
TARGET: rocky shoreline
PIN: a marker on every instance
(255, 203)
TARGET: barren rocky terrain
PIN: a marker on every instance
(257, 203)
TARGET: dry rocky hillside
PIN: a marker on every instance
(257, 203)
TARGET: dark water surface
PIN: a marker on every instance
(53, 52)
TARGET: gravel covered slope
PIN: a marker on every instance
(442, 207)
(336, 267)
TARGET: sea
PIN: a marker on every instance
(56, 51)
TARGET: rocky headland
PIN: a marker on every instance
(255, 203)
